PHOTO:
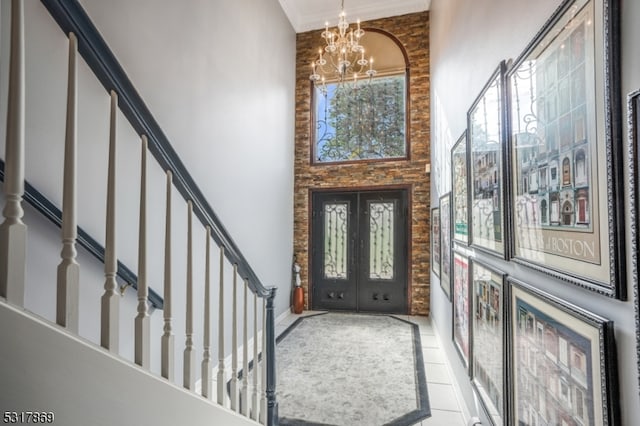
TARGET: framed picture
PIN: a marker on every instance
(445, 244)
(459, 192)
(435, 241)
(486, 134)
(563, 361)
(488, 339)
(565, 124)
(461, 306)
(633, 118)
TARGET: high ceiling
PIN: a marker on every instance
(307, 15)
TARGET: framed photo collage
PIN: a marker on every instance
(537, 182)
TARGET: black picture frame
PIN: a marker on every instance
(559, 352)
(486, 147)
(633, 121)
(567, 170)
(488, 340)
(435, 241)
(460, 190)
(460, 298)
(445, 244)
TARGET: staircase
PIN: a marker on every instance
(130, 369)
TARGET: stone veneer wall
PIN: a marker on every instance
(412, 31)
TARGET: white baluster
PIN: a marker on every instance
(142, 337)
(189, 372)
(263, 385)
(110, 307)
(13, 232)
(234, 342)
(167, 356)
(244, 399)
(254, 395)
(68, 270)
(207, 381)
(221, 373)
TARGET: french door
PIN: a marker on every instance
(359, 251)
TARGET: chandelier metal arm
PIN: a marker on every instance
(343, 57)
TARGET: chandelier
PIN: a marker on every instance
(342, 59)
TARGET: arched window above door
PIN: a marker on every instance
(366, 120)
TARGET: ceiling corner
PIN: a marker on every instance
(292, 12)
(306, 15)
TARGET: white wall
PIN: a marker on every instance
(227, 106)
(219, 78)
(468, 40)
(84, 385)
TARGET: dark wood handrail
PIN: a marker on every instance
(168, 158)
(71, 17)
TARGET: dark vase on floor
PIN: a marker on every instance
(298, 300)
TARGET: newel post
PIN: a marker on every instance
(272, 404)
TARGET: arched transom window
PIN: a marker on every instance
(364, 120)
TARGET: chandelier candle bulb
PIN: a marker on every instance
(341, 55)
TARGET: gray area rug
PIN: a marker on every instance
(351, 369)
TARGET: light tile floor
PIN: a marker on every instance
(443, 395)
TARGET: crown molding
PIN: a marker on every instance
(306, 15)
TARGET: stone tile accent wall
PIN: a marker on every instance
(412, 31)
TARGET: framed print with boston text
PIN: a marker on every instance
(565, 126)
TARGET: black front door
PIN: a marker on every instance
(359, 251)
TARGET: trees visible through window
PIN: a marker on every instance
(362, 121)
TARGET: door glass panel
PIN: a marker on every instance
(335, 240)
(381, 240)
